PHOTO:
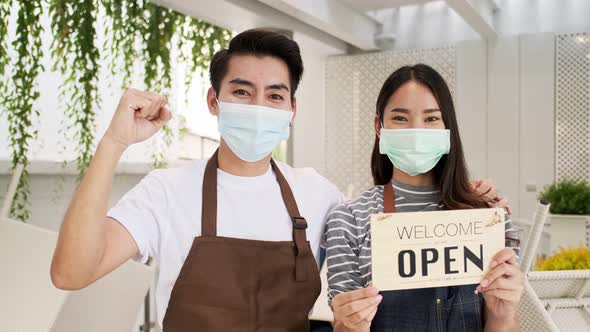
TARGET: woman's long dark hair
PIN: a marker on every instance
(450, 174)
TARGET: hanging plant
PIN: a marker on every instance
(125, 21)
(136, 29)
(159, 31)
(4, 18)
(22, 93)
(76, 57)
(198, 43)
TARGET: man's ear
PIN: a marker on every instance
(212, 102)
(294, 108)
(377, 126)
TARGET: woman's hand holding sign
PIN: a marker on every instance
(502, 287)
(354, 310)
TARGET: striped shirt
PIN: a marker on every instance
(348, 240)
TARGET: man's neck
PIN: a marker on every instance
(230, 163)
(420, 180)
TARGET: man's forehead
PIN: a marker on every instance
(257, 69)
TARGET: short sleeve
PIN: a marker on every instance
(143, 211)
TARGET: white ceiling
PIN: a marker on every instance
(370, 5)
(364, 24)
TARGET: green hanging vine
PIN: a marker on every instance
(4, 18)
(158, 34)
(125, 21)
(76, 57)
(202, 40)
(21, 95)
(136, 30)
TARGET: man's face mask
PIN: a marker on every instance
(252, 131)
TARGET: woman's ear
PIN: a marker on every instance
(212, 102)
(377, 126)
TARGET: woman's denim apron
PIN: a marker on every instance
(455, 308)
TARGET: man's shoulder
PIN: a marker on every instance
(185, 173)
(309, 180)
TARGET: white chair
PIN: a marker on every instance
(553, 300)
(30, 302)
(529, 252)
(566, 297)
(28, 299)
(544, 246)
(531, 311)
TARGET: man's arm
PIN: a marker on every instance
(90, 244)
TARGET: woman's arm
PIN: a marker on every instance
(354, 305)
(497, 324)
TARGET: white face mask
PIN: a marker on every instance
(252, 131)
(414, 151)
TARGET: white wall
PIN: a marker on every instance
(505, 106)
(308, 140)
(470, 103)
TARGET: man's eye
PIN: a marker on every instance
(275, 96)
(399, 118)
(241, 92)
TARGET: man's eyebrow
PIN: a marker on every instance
(242, 82)
(278, 86)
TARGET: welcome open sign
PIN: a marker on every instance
(433, 249)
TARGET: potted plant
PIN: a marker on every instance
(570, 212)
(566, 259)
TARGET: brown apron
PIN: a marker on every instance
(230, 284)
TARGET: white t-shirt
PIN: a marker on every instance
(163, 213)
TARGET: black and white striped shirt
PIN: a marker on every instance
(348, 242)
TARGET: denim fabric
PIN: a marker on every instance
(440, 309)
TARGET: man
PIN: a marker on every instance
(230, 234)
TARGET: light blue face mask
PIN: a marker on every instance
(252, 131)
(414, 151)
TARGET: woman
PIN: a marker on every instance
(419, 153)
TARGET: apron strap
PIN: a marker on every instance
(209, 206)
(388, 198)
(299, 225)
(209, 212)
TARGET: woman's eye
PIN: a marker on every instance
(241, 92)
(275, 96)
(432, 119)
(399, 118)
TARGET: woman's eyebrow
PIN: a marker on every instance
(431, 110)
(401, 110)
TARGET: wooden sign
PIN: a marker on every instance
(433, 249)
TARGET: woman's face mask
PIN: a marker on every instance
(414, 151)
(412, 131)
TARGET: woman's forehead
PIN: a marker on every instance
(414, 97)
